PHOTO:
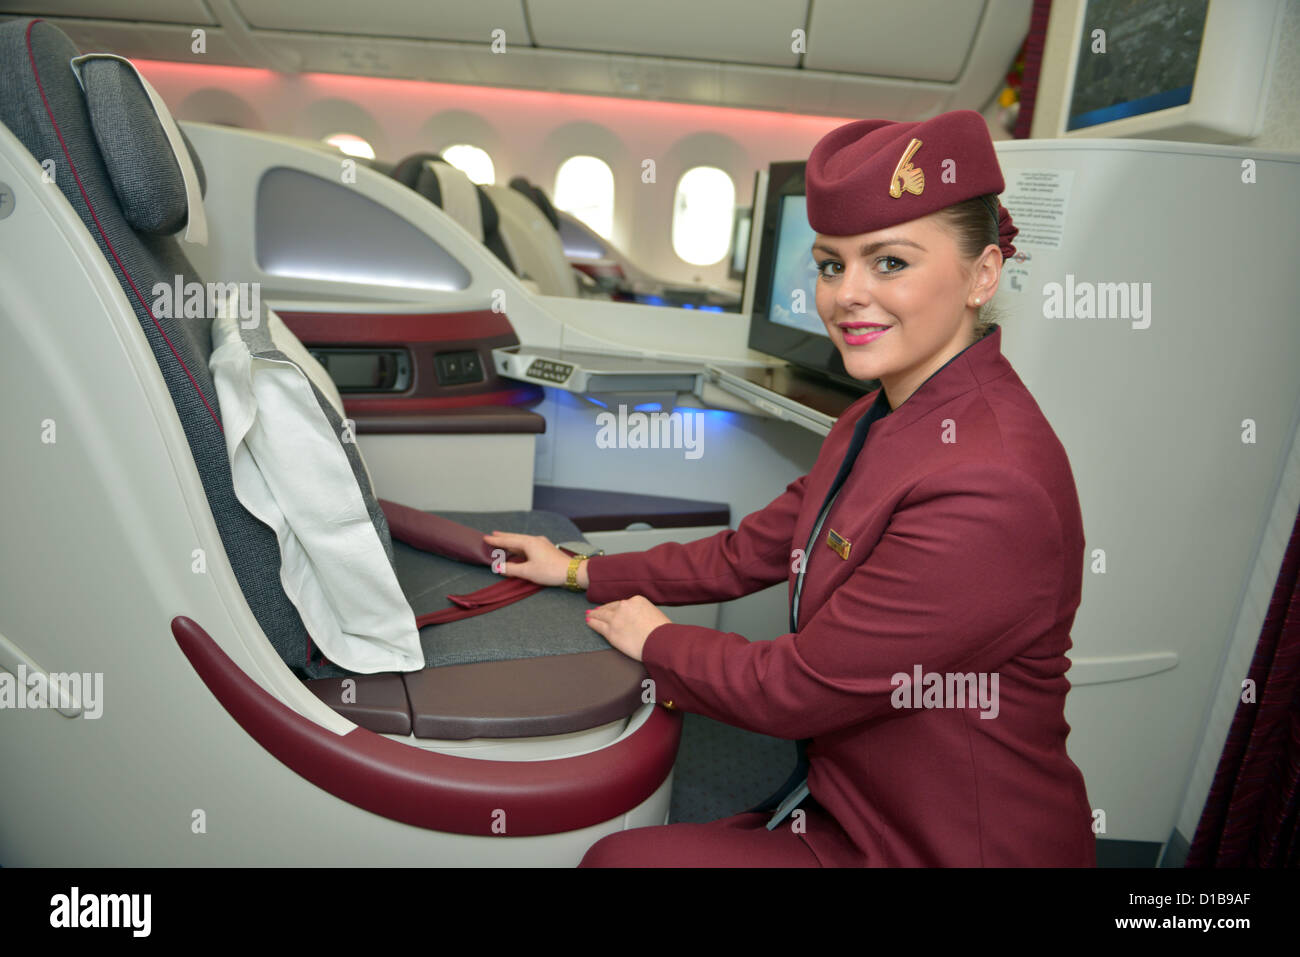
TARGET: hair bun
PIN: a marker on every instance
(1006, 232)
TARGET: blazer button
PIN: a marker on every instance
(669, 704)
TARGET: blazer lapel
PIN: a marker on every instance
(856, 514)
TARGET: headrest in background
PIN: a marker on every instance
(151, 164)
(492, 235)
(458, 196)
(521, 185)
(427, 184)
(407, 171)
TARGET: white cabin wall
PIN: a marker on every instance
(1280, 131)
(526, 132)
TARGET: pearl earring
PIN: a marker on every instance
(977, 302)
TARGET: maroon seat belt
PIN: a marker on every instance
(442, 536)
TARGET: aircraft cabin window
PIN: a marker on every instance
(703, 210)
(473, 162)
(352, 145)
(584, 186)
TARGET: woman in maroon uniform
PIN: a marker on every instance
(934, 556)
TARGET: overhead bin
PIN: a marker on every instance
(917, 40)
(157, 11)
(832, 57)
(734, 31)
(465, 22)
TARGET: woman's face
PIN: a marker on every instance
(900, 302)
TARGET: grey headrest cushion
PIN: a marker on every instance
(141, 165)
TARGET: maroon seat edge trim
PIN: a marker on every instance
(439, 791)
(358, 404)
(467, 420)
(372, 328)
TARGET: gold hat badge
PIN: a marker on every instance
(906, 176)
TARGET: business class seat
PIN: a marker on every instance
(537, 196)
(593, 279)
(499, 218)
(525, 672)
(460, 198)
(534, 241)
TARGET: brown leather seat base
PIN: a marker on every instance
(519, 698)
(374, 702)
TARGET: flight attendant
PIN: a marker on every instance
(934, 557)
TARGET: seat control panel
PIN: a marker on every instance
(550, 370)
(365, 369)
(458, 368)
(576, 370)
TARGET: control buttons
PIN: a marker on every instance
(6, 200)
(458, 368)
(550, 371)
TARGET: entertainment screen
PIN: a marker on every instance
(784, 321)
(1148, 62)
(794, 271)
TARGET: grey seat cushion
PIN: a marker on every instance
(550, 622)
(257, 340)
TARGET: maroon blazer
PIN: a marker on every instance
(965, 558)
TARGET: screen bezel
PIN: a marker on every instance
(1169, 100)
(1239, 48)
(810, 351)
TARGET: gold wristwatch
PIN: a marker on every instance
(581, 552)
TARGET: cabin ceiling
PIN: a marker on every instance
(862, 57)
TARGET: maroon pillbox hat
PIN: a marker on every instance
(870, 174)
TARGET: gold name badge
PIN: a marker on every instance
(838, 543)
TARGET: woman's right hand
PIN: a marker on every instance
(543, 562)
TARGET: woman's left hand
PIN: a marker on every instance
(626, 624)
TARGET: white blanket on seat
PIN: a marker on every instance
(291, 472)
